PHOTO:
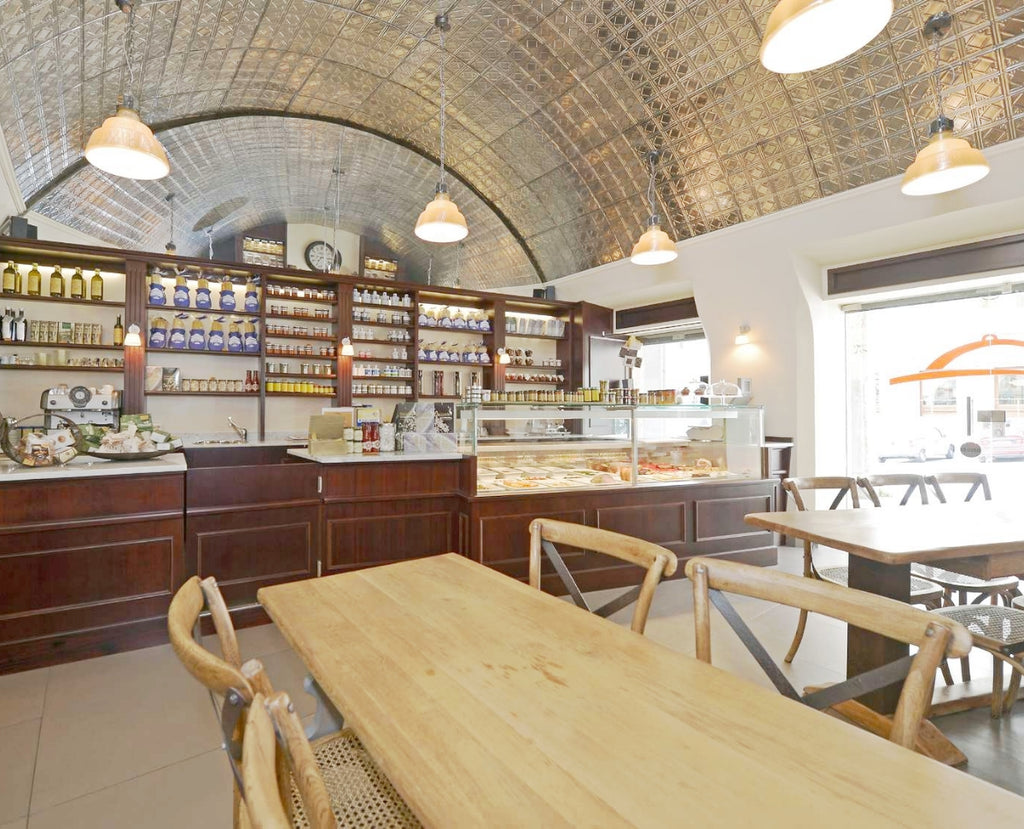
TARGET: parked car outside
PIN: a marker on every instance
(924, 444)
(1009, 447)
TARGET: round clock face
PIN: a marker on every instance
(320, 256)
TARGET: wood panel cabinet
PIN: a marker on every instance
(87, 566)
(690, 520)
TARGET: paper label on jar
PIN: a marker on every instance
(157, 337)
(216, 341)
(252, 302)
(178, 338)
(227, 300)
(203, 299)
(156, 294)
(234, 341)
(252, 342)
(181, 296)
(197, 340)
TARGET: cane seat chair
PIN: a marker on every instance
(935, 640)
(957, 586)
(354, 782)
(656, 560)
(921, 591)
(1000, 631)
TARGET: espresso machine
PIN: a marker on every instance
(81, 405)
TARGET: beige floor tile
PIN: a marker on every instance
(254, 642)
(193, 793)
(149, 679)
(286, 673)
(17, 755)
(21, 696)
(84, 751)
(20, 823)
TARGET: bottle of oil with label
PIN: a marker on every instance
(96, 287)
(35, 281)
(78, 285)
(56, 282)
(118, 331)
(10, 278)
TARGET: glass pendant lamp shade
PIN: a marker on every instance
(441, 221)
(655, 247)
(124, 146)
(944, 164)
(802, 35)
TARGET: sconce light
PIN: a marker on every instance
(743, 338)
(503, 357)
(132, 338)
(346, 347)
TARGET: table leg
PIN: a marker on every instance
(866, 650)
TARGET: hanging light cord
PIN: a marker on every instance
(936, 38)
(441, 24)
(650, 187)
(128, 42)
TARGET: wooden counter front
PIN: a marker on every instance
(87, 566)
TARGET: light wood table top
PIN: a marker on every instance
(906, 534)
(488, 703)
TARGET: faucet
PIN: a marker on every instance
(242, 432)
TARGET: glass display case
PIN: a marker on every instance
(531, 447)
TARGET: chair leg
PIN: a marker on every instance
(798, 637)
(997, 688)
(946, 675)
(965, 669)
(1014, 692)
(327, 719)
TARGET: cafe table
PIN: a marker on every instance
(984, 539)
(489, 703)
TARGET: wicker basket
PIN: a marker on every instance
(13, 432)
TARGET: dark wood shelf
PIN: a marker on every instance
(252, 355)
(323, 357)
(534, 382)
(450, 364)
(267, 296)
(66, 300)
(296, 394)
(299, 317)
(475, 332)
(383, 342)
(203, 393)
(6, 344)
(270, 374)
(377, 396)
(194, 310)
(271, 335)
(391, 360)
(407, 326)
(409, 308)
(535, 336)
(440, 397)
(514, 367)
(108, 369)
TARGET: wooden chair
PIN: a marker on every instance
(921, 592)
(336, 755)
(934, 636)
(912, 485)
(957, 586)
(656, 560)
(1000, 631)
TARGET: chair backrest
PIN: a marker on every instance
(934, 636)
(911, 484)
(798, 487)
(274, 751)
(217, 674)
(263, 805)
(656, 560)
(974, 481)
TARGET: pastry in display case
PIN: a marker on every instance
(535, 448)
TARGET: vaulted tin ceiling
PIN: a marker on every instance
(552, 103)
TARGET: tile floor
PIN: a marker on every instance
(130, 740)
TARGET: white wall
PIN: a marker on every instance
(300, 235)
(770, 275)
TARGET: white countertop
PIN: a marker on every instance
(86, 467)
(383, 457)
(214, 440)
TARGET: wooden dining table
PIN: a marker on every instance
(489, 703)
(980, 539)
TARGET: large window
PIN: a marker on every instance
(673, 365)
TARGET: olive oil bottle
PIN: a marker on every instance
(35, 281)
(96, 287)
(10, 278)
(78, 285)
(56, 282)
(118, 330)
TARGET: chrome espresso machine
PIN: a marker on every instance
(81, 405)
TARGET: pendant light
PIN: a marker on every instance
(124, 146)
(654, 247)
(802, 35)
(441, 221)
(945, 163)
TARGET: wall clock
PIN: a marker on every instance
(320, 256)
